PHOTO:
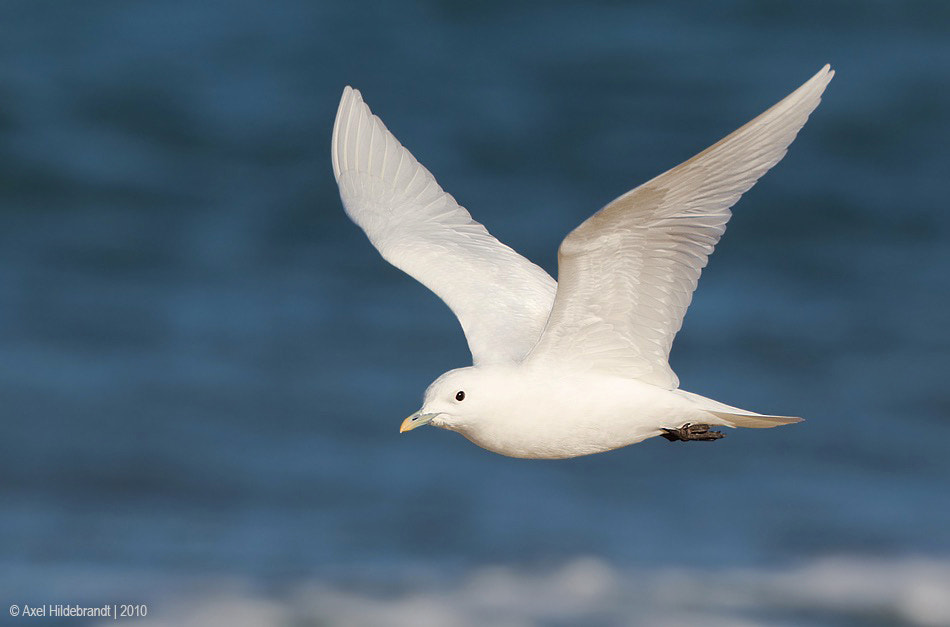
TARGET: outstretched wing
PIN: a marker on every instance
(627, 274)
(501, 299)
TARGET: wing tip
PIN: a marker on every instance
(820, 80)
(349, 99)
(804, 100)
(351, 93)
(813, 89)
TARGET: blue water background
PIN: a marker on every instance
(204, 363)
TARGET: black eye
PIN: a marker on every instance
(460, 396)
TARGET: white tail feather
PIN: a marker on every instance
(735, 417)
(754, 421)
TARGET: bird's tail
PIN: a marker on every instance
(735, 417)
(753, 420)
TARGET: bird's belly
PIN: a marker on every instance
(566, 431)
(553, 448)
(557, 443)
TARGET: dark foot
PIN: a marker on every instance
(691, 432)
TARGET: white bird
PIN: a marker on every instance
(578, 366)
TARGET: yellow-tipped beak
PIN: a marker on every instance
(416, 420)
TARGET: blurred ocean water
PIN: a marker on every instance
(203, 363)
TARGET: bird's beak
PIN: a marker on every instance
(416, 420)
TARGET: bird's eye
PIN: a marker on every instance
(460, 396)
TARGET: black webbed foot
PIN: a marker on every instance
(688, 432)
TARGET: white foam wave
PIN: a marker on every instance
(591, 592)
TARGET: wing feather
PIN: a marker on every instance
(627, 274)
(501, 299)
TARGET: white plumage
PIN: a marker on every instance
(501, 299)
(579, 366)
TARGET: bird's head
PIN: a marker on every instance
(453, 401)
